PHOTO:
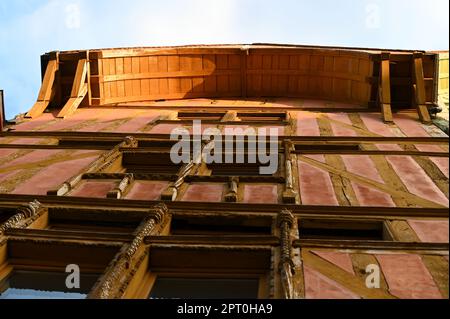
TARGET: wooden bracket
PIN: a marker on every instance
(47, 91)
(79, 90)
(419, 88)
(384, 88)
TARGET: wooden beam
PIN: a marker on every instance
(385, 88)
(46, 92)
(79, 90)
(419, 88)
(2, 111)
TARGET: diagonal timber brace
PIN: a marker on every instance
(79, 90)
(47, 91)
(419, 88)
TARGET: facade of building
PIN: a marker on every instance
(356, 207)
(443, 82)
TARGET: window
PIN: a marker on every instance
(43, 285)
(190, 273)
(343, 229)
(220, 226)
(205, 288)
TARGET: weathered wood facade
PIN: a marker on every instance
(86, 177)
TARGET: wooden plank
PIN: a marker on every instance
(419, 89)
(79, 90)
(385, 89)
(46, 91)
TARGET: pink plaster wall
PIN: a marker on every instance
(364, 166)
(407, 277)
(53, 176)
(33, 157)
(410, 126)
(35, 123)
(368, 196)
(142, 190)
(375, 124)
(340, 130)
(316, 187)
(431, 231)
(416, 180)
(203, 192)
(137, 123)
(342, 260)
(94, 189)
(261, 194)
(318, 286)
(307, 124)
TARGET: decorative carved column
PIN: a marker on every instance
(286, 266)
(25, 215)
(122, 187)
(290, 196)
(171, 192)
(111, 284)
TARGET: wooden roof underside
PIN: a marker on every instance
(368, 78)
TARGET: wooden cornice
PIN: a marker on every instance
(12, 200)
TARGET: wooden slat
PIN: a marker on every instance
(45, 94)
(385, 89)
(419, 89)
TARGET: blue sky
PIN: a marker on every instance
(29, 28)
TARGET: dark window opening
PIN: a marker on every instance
(149, 163)
(191, 116)
(343, 230)
(219, 226)
(44, 285)
(205, 288)
(5, 215)
(262, 117)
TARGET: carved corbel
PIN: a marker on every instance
(232, 195)
(110, 284)
(286, 266)
(24, 213)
